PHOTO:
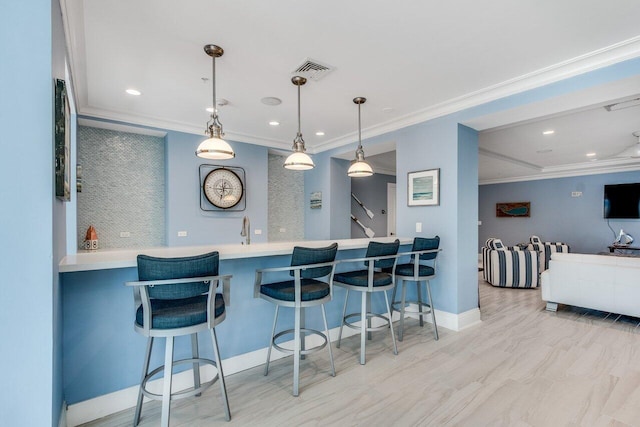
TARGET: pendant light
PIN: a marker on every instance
(298, 160)
(359, 167)
(214, 147)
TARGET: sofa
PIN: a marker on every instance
(601, 282)
(509, 267)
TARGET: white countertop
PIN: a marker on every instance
(104, 259)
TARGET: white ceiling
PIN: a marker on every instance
(412, 61)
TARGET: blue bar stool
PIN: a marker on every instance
(174, 297)
(421, 268)
(379, 257)
(312, 270)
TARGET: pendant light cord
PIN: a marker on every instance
(299, 134)
(213, 82)
(359, 128)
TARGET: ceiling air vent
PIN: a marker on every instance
(312, 69)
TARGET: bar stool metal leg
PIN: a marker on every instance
(363, 328)
(393, 337)
(273, 332)
(369, 318)
(196, 365)
(145, 370)
(433, 313)
(296, 351)
(326, 331)
(403, 303)
(393, 297)
(419, 291)
(344, 313)
(168, 376)
(223, 387)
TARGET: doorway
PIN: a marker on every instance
(391, 209)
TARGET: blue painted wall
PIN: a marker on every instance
(317, 222)
(340, 192)
(372, 192)
(430, 145)
(467, 217)
(434, 145)
(555, 215)
(61, 212)
(183, 194)
(26, 216)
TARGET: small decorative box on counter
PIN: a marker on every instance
(91, 239)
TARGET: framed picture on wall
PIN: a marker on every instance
(62, 141)
(424, 188)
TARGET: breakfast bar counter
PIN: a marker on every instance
(124, 258)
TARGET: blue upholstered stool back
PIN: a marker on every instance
(423, 244)
(381, 249)
(152, 268)
(304, 256)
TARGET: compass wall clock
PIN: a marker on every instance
(222, 188)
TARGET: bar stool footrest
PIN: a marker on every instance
(184, 393)
(305, 331)
(351, 325)
(426, 309)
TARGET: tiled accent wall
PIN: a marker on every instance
(123, 188)
(286, 202)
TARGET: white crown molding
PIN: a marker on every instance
(120, 127)
(153, 122)
(600, 58)
(383, 171)
(73, 11)
(569, 170)
(488, 153)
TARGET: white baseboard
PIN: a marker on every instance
(102, 406)
(454, 322)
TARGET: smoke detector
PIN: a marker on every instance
(312, 69)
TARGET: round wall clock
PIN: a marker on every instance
(223, 188)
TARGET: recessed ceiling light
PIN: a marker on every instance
(134, 92)
(548, 150)
(387, 109)
(320, 133)
(548, 132)
(274, 123)
(271, 100)
(591, 154)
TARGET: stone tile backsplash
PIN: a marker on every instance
(123, 188)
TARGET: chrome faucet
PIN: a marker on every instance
(246, 229)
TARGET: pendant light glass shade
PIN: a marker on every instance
(359, 167)
(214, 148)
(298, 160)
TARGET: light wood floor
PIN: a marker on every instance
(523, 366)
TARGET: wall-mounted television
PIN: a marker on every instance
(622, 201)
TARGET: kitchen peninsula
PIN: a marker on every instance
(102, 354)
